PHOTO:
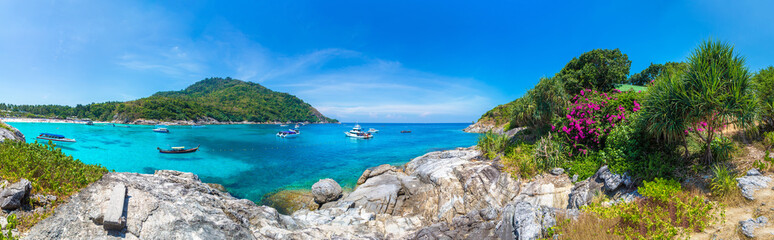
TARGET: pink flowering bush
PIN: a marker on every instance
(592, 115)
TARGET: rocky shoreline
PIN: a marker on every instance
(447, 194)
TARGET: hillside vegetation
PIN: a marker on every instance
(683, 138)
(221, 99)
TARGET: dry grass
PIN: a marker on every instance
(587, 226)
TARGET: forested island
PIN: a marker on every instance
(211, 100)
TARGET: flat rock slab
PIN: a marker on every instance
(114, 211)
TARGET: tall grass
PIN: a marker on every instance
(491, 144)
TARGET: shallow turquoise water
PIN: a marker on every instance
(248, 159)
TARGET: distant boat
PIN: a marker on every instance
(121, 126)
(291, 133)
(197, 126)
(405, 131)
(55, 138)
(371, 130)
(179, 150)
(161, 130)
(357, 132)
(90, 123)
(283, 125)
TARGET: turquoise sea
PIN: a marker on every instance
(249, 160)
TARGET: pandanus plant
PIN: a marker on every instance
(714, 92)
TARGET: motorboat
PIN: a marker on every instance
(55, 138)
(372, 130)
(161, 130)
(405, 131)
(291, 133)
(178, 150)
(357, 132)
(197, 126)
(283, 125)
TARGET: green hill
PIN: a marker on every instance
(219, 99)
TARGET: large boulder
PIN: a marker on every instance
(326, 190)
(8, 132)
(15, 194)
(524, 221)
(752, 182)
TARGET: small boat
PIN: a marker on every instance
(283, 125)
(90, 123)
(121, 126)
(357, 132)
(291, 133)
(371, 130)
(405, 131)
(179, 150)
(55, 138)
(161, 130)
(296, 127)
(197, 126)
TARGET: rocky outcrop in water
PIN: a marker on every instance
(8, 132)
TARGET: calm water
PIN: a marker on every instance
(248, 159)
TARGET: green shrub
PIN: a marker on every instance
(519, 161)
(666, 212)
(491, 144)
(723, 181)
(549, 153)
(764, 88)
(584, 166)
(11, 225)
(49, 170)
(768, 140)
(722, 149)
(620, 147)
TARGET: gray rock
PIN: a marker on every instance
(363, 177)
(575, 178)
(612, 181)
(583, 192)
(753, 172)
(15, 194)
(489, 213)
(748, 226)
(557, 171)
(13, 134)
(750, 183)
(114, 218)
(523, 221)
(326, 190)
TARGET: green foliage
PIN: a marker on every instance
(585, 166)
(491, 144)
(654, 71)
(768, 139)
(549, 153)
(12, 222)
(217, 98)
(722, 148)
(764, 89)
(519, 161)
(598, 69)
(660, 189)
(714, 91)
(718, 91)
(723, 181)
(49, 170)
(540, 105)
(666, 212)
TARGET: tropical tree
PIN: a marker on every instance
(541, 104)
(715, 91)
(598, 69)
(654, 70)
(764, 86)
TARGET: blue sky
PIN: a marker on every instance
(367, 61)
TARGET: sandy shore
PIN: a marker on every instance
(43, 120)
